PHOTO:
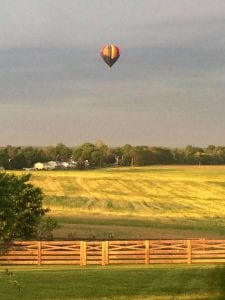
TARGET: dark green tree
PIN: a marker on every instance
(18, 162)
(142, 157)
(21, 208)
(32, 155)
(87, 149)
(48, 153)
(96, 157)
(127, 155)
(4, 160)
(63, 153)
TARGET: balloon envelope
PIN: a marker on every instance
(110, 54)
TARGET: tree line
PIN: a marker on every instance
(101, 155)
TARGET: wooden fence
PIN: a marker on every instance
(113, 252)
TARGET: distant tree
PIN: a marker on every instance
(100, 155)
(110, 158)
(178, 156)
(210, 149)
(77, 153)
(96, 157)
(126, 148)
(63, 152)
(142, 156)
(87, 149)
(32, 155)
(11, 154)
(18, 162)
(83, 152)
(219, 155)
(107, 155)
(127, 155)
(49, 153)
(118, 151)
(4, 160)
(99, 143)
(21, 208)
(162, 155)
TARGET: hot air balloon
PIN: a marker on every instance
(110, 54)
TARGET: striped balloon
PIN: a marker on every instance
(110, 54)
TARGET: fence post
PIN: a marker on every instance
(189, 252)
(147, 252)
(39, 252)
(105, 253)
(83, 253)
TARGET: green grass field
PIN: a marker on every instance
(133, 283)
(147, 202)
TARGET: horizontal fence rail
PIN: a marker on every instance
(112, 252)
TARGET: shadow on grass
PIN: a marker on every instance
(217, 281)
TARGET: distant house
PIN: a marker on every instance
(39, 166)
(64, 165)
(72, 164)
(51, 165)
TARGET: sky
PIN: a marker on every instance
(167, 88)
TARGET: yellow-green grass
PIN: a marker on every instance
(160, 198)
(118, 283)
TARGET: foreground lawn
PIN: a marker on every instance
(133, 283)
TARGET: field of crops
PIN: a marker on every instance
(159, 201)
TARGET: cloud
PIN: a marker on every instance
(166, 88)
(92, 22)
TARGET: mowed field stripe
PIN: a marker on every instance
(154, 191)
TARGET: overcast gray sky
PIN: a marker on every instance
(167, 88)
